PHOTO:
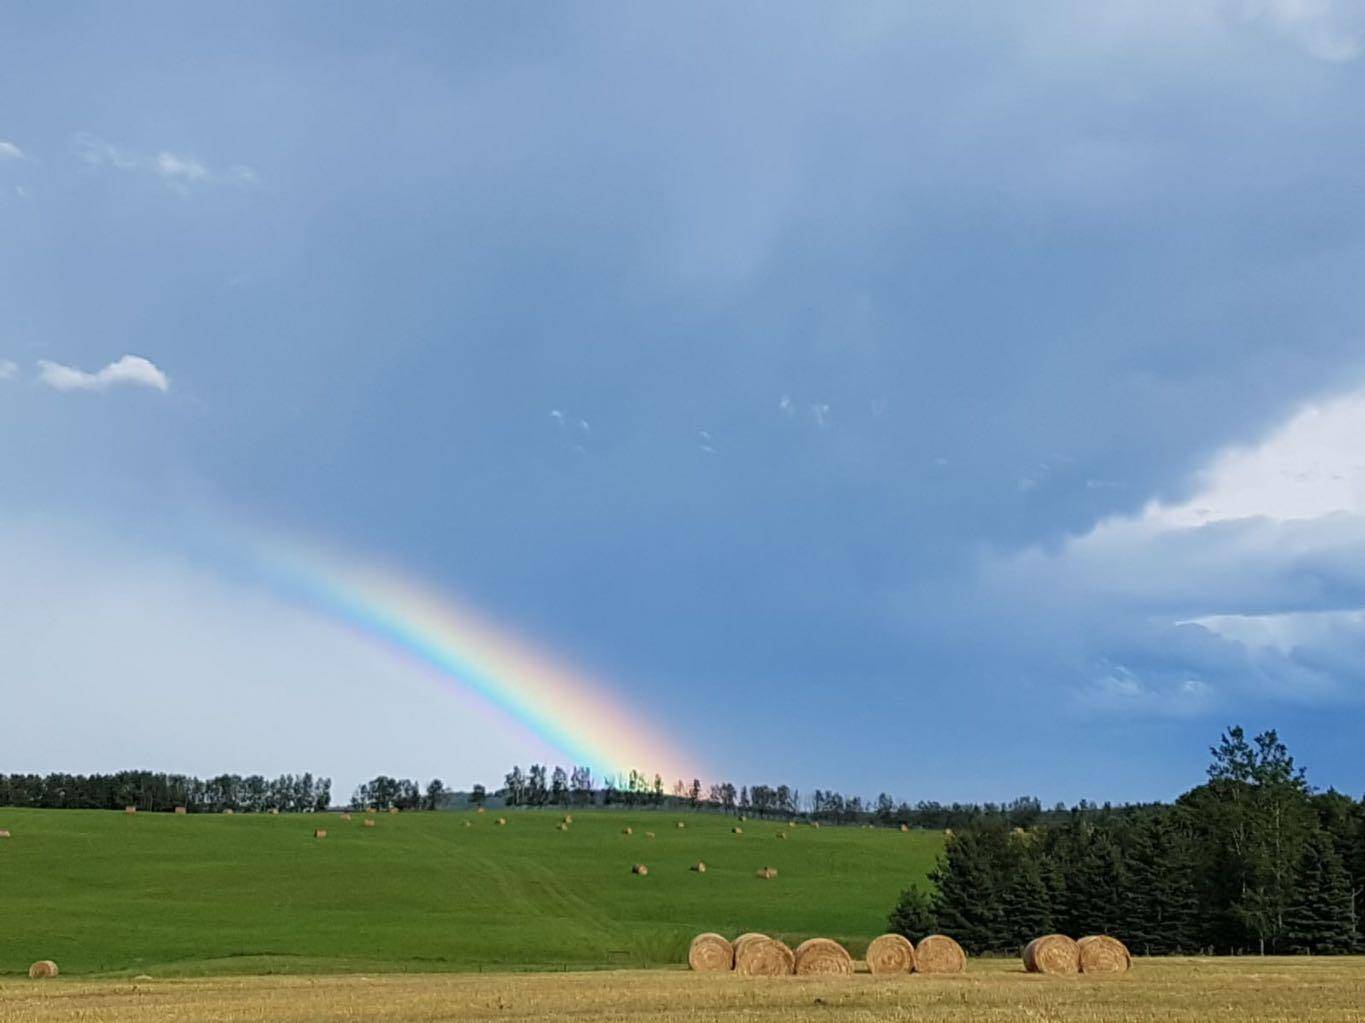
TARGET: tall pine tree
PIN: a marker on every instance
(1319, 918)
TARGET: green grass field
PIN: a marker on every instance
(104, 893)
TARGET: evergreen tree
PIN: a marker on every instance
(1319, 919)
(970, 882)
(913, 916)
(1025, 901)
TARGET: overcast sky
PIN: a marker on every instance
(962, 400)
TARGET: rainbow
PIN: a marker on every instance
(575, 715)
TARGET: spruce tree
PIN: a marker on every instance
(969, 879)
(1025, 903)
(913, 916)
(1319, 918)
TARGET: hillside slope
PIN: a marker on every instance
(106, 893)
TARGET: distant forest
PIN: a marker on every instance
(1254, 860)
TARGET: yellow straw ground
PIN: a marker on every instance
(1247, 990)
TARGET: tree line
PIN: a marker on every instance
(154, 791)
(1252, 860)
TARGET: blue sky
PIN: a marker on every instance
(960, 400)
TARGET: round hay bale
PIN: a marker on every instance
(649, 834)
(345, 816)
(639, 869)
(699, 867)
(682, 824)
(4, 833)
(1100, 953)
(393, 809)
(479, 810)
(815, 824)
(627, 831)
(274, 811)
(42, 968)
(710, 953)
(781, 834)
(737, 831)
(743, 818)
(468, 824)
(561, 826)
(891, 953)
(768, 873)
(822, 956)
(181, 811)
(369, 823)
(1055, 954)
(130, 810)
(760, 956)
(939, 953)
(746, 936)
(501, 821)
(229, 812)
(319, 832)
(568, 818)
(905, 827)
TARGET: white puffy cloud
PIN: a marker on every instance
(8, 370)
(178, 171)
(10, 151)
(1252, 588)
(131, 370)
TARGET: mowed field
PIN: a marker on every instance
(1248, 990)
(102, 893)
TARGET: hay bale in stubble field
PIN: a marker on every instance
(891, 953)
(816, 956)
(639, 869)
(1054, 954)
(710, 953)
(760, 956)
(939, 953)
(43, 968)
(1100, 953)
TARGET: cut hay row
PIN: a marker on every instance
(1100, 953)
(1054, 954)
(891, 953)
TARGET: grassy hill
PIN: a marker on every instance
(101, 892)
